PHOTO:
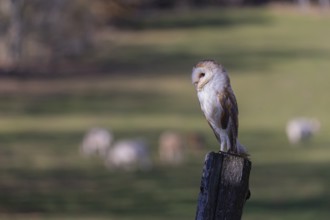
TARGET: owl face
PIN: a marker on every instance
(203, 72)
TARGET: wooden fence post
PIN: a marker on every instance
(224, 187)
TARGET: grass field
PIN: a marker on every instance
(279, 65)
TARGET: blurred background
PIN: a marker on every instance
(99, 120)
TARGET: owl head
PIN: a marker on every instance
(204, 71)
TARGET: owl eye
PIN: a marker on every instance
(201, 75)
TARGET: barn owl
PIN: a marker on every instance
(218, 102)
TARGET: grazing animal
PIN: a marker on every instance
(96, 142)
(218, 103)
(128, 155)
(171, 149)
(300, 130)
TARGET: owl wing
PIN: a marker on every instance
(229, 114)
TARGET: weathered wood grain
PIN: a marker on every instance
(224, 187)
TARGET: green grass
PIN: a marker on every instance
(279, 67)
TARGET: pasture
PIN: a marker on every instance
(278, 61)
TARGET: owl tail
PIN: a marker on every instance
(241, 150)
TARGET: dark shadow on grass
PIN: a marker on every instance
(172, 19)
(320, 203)
(141, 60)
(144, 194)
(102, 102)
(94, 191)
(295, 177)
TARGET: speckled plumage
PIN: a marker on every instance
(218, 104)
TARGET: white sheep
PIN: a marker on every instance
(128, 155)
(300, 130)
(97, 141)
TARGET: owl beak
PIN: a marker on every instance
(196, 85)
